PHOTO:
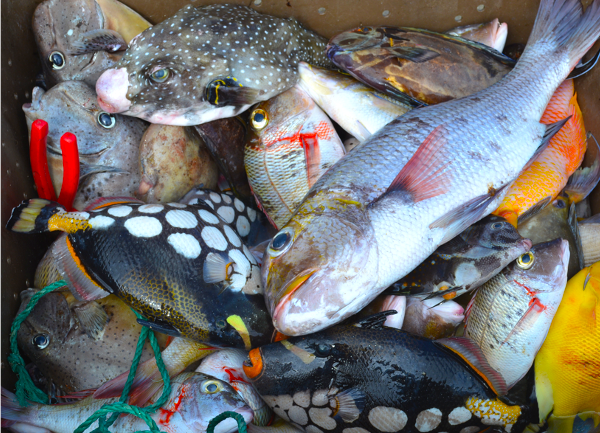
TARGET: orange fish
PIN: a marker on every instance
(545, 178)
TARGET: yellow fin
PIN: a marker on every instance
(239, 325)
(122, 19)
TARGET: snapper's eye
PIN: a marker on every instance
(41, 341)
(160, 75)
(211, 386)
(57, 60)
(281, 242)
(525, 261)
(106, 120)
(259, 119)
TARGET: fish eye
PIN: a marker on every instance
(560, 203)
(211, 386)
(323, 350)
(497, 226)
(41, 341)
(160, 75)
(259, 119)
(525, 261)
(281, 242)
(106, 120)
(57, 60)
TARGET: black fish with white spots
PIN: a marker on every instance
(181, 266)
(366, 378)
(207, 63)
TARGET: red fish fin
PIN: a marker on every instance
(457, 220)
(72, 271)
(79, 395)
(470, 353)
(425, 175)
(584, 180)
(312, 154)
(109, 201)
(147, 380)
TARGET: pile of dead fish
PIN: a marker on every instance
(383, 232)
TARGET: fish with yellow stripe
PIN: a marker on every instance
(567, 367)
(181, 266)
(365, 377)
(548, 174)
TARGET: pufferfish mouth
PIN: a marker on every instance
(289, 289)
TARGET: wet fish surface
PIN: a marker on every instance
(291, 143)
(493, 34)
(417, 183)
(108, 144)
(224, 69)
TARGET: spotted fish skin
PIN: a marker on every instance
(180, 266)
(257, 54)
(350, 378)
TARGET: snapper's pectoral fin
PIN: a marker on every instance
(426, 174)
(457, 220)
(584, 180)
(229, 91)
(160, 326)
(92, 318)
(98, 40)
(551, 130)
(375, 321)
(472, 355)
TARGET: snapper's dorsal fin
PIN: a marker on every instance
(375, 321)
(470, 353)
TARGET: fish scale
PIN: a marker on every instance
(469, 149)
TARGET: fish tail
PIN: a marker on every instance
(34, 215)
(12, 412)
(562, 25)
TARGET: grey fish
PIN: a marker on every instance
(173, 160)
(421, 180)
(108, 143)
(207, 63)
(195, 399)
(79, 39)
(79, 345)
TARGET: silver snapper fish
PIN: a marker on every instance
(207, 63)
(108, 144)
(510, 315)
(195, 399)
(356, 107)
(227, 365)
(417, 183)
(492, 34)
(79, 39)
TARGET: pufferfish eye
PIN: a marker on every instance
(525, 261)
(106, 120)
(211, 387)
(259, 119)
(281, 242)
(57, 60)
(41, 341)
(497, 225)
(160, 75)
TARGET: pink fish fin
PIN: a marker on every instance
(72, 271)
(426, 174)
(363, 130)
(458, 219)
(551, 130)
(534, 210)
(145, 384)
(471, 354)
(80, 395)
(108, 201)
(469, 306)
(312, 154)
(584, 180)
(528, 319)
(258, 251)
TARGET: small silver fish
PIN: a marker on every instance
(232, 57)
(79, 39)
(108, 143)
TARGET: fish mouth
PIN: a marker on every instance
(525, 243)
(253, 366)
(286, 294)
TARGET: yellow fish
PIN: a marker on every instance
(567, 367)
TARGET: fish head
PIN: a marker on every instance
(543, 269)
(493, 232)
(107, 143)
(319, 81)
(319, 268)
(226, 365)
(197, 398)
(493, 33)
(57, 26)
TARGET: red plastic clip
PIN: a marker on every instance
(39, 165)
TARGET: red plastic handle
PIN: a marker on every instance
(39, 160)
(70, 183)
